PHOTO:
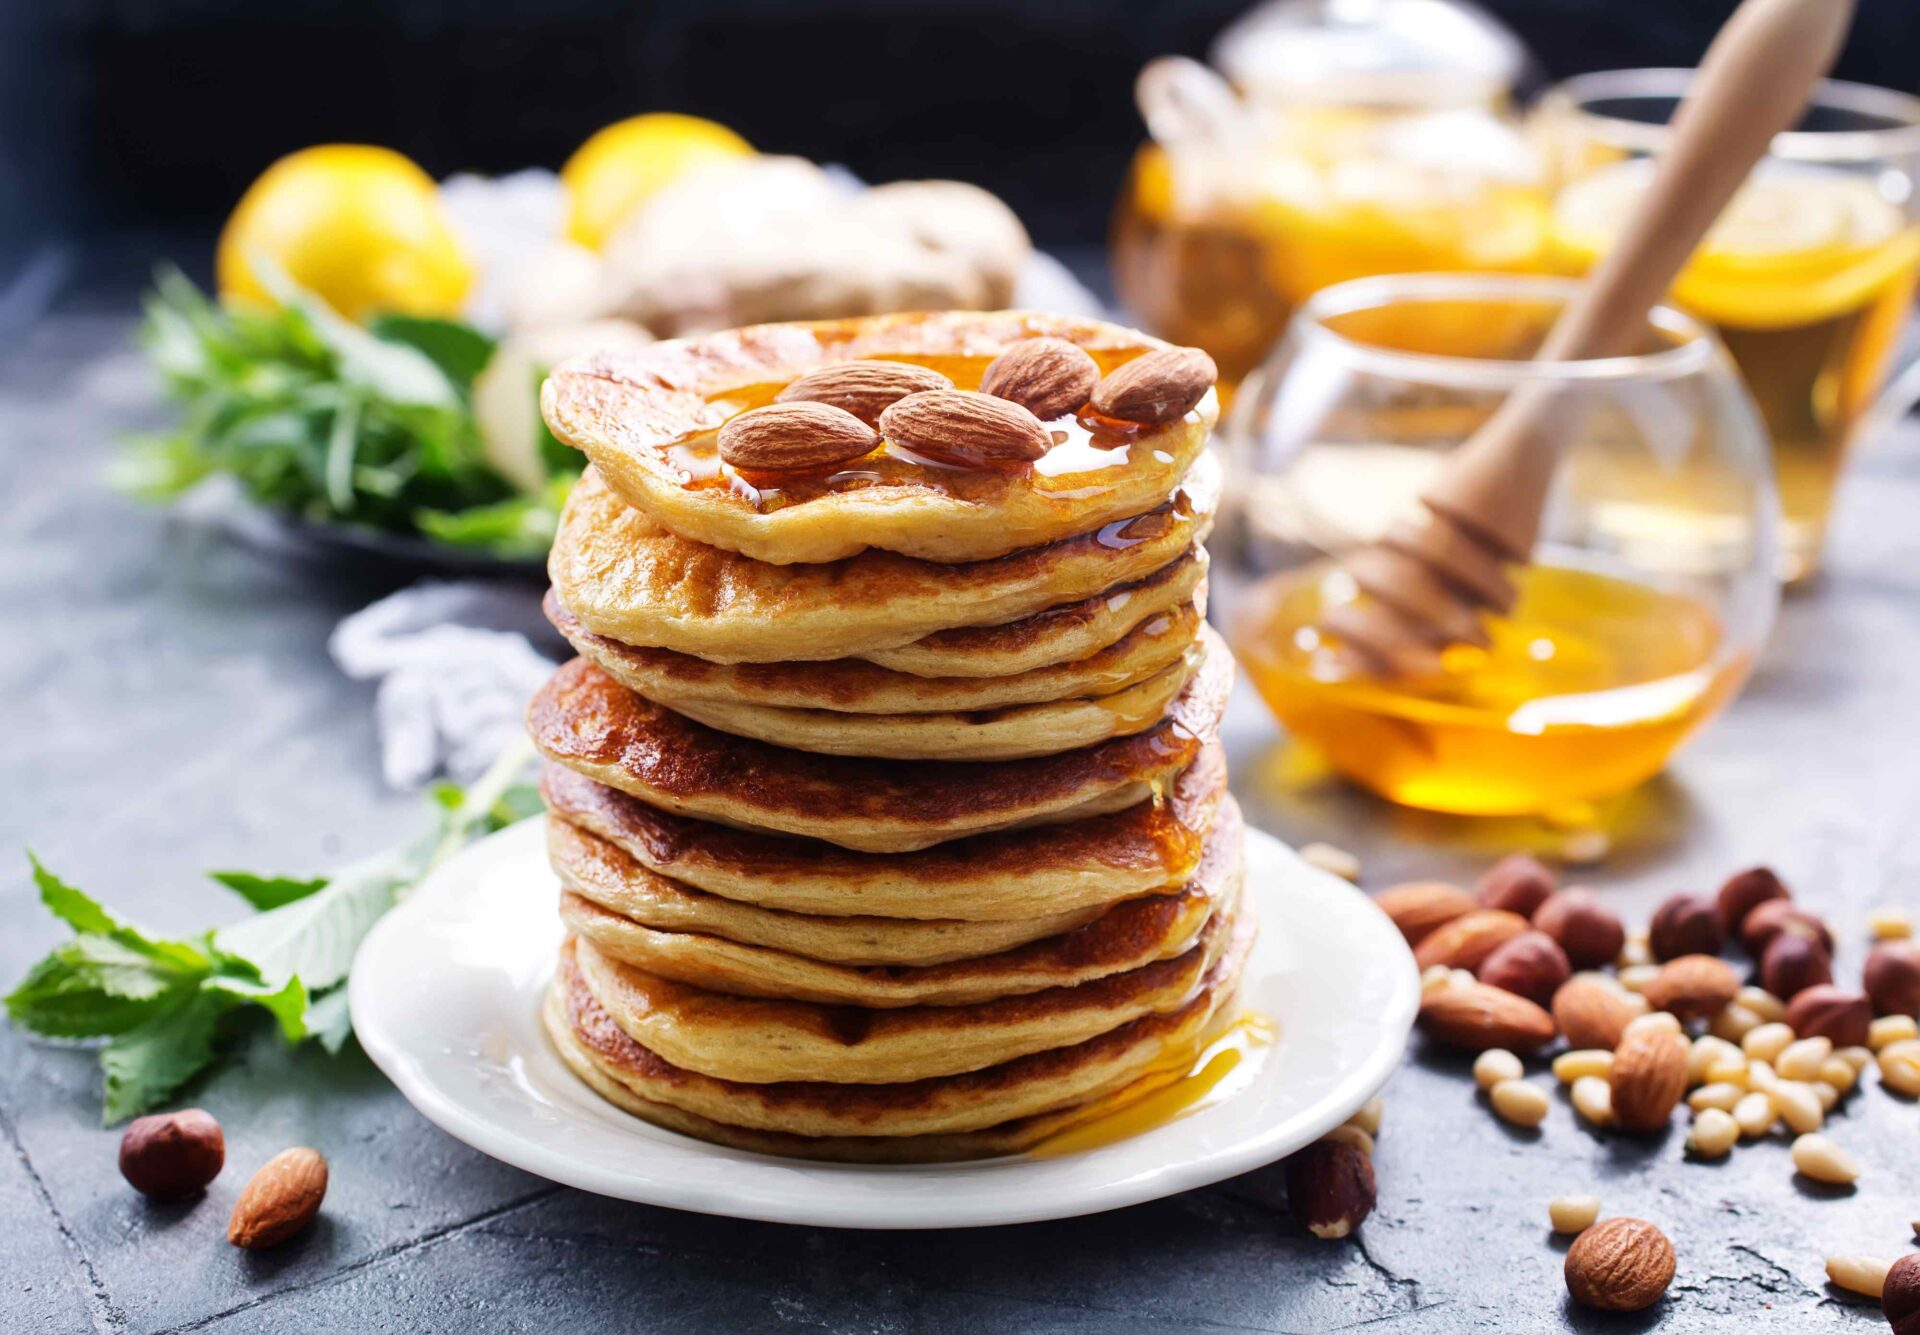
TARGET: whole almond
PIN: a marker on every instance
(1693, 987)
(784, 437)
(1619, 1265)
(1157, 387)
(1466, 942)
(1593, 1014)
(1475, 1017)
(957, 426)
(1049, 377)
(1418, 908)
(864, 389)
(280, 1200)
(1648, 1077)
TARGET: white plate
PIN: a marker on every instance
(446, 993)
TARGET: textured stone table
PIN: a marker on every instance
(167, 706)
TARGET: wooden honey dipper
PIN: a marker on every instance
(1431, 577)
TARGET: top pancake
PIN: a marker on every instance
(647, 418)
(627, 577)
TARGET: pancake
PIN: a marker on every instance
(1126, 936)
(647, 418)
(761, 1040)
(627, 577)
(596, 870)
(1021, 876)
(583, 719)
(1002, 1110)
(855, 686)
(1016, 733)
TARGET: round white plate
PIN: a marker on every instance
(446, 994)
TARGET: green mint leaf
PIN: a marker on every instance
(459, 350)
(287, 1003)
(520, 526)
(515, 805)
(314, 938)
(329, 1020)
(145, 1065)
(84, 913)
(394, 371)
(268, 892)
(63, 996)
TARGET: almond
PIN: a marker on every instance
(957, 426)
(1049, 377)
(784, 437)
(1475, 1017)
(864, 389)
(1158, 387)
(1593, 1014)
(1619, 1265)
(1418, 908)
(1693, 987)
(1648, 1077)
(280, 1200)
(1466, 942)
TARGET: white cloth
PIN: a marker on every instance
(455, 667)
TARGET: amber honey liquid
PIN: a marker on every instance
(1585, 690)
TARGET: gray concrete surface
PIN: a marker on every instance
(167, 706)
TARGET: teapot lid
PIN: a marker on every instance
(1373, 52)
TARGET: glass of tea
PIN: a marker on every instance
(1808, 278)
(1650, 591)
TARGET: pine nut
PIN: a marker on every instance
(1495, 1065)
(1328, 858)
(1463, 978)
(1573, 1214)
(1435, 977)
(1767, 1042)
(1755, 1114)
(1729, 1071)
(1900, 1069)
(1721, 1096)
(1760, 1076)
(1802, 1060)
(1368, 1118)
(1890, 924)
(1519, 1103)
(1584, 848)
(1858, 1058)
(1863, 1275)
(1655, 1022)
(1826, 1093)
(1891, 1029)
(1838, 1072)
(1349, 1134)
(1705, 1052)
(1761, 1002)
(1799, 1106)
(1823, 1161)
(1636, 977)
(1734, 1022)
(1634, 951)
(1592, 1098)
(1714, 1133)
(1570, 1066)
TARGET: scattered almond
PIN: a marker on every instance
(1649, 1076)
(1619, 1265)
(1049, 377)
(956, 426)
(1419, 908)
(1693, 987)
(1593, 1014)
(865, 389)
(1476, 1017)
(787, 437)
(1157, 387)
(280, 1200)
(1466, 941)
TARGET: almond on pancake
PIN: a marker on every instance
(1024, 876)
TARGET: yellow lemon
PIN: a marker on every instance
(620, 167)
(360, 227)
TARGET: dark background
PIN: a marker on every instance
(148, 117)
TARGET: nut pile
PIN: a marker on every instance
(174, 1156)
(1655, 1019)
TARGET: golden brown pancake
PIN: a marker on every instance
(977, 1114)
(647, 418)
(856, 686)
(761, 1040)
(629, 578)
(585, 720)
(1019, 875)
(1126, 936)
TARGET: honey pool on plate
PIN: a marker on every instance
(1584, 690)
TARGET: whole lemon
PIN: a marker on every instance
(360, 227)
(620, 167)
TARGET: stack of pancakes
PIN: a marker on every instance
(885, 798)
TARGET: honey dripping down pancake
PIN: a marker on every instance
(1125, 936)
(627, 577)
(585, 720)
(648, 418)
(1030, 876)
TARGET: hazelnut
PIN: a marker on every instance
(1743, 892)
(1330, 1188)
(1531, 965)
(170, 1156)
(1586, 929)
(1619, 1265)
(1777, 916)
(1519, 883)
(1900, 1295)
(1792, 964)
(1892, 978)
(1685, 925)
(1826, 1011)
